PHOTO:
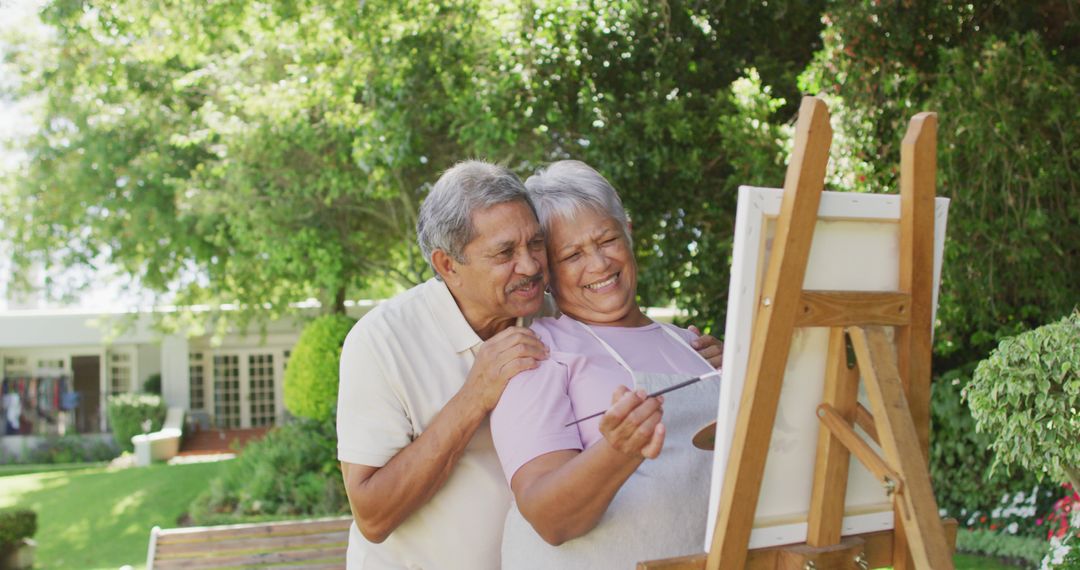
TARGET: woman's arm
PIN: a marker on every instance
(563, 494)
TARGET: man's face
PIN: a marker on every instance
(505, 269)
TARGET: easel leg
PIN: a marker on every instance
(916, 506)
(833, 458)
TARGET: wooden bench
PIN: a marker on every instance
(312, 544)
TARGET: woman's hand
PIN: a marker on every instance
(632, 424)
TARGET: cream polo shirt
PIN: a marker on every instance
(400, 365)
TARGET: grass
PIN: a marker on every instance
(20, 469)
(101, 518)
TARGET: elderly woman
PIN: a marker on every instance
(626, 486)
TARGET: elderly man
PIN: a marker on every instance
(421, 372)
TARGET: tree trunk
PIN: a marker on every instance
(338, 306)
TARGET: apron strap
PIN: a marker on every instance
(619, 358)
(682, 341)
(606, 346)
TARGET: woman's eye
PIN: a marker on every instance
(572, 256)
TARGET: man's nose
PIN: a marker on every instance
(529, 263)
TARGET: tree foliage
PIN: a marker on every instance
(677, 103)
(263, 153)
(245, 153)
(259, 154)
(1001, 75)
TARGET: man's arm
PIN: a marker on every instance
(383, 497)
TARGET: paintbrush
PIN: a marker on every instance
(654, 394)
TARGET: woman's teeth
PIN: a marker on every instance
(603, 283)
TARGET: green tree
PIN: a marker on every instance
(244, 153)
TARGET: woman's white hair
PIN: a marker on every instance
(445, 219)
(566, 187)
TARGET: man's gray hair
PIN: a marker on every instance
(445, 220)
(568, 186)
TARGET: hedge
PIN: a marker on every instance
(127, 412)
(16, 524)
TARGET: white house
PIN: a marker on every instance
(60, 365)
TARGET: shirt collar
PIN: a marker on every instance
(448, 316)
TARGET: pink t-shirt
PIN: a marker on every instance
(577, 380)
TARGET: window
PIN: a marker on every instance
(16, 365)
(51, 364)
(227, 390)
(197, 380)
(261, 389)
(119, 373)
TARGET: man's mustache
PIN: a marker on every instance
(526, 282)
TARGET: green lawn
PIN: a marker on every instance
(100, 518)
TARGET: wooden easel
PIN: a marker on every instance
(896, 375)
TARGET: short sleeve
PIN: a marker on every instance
(531, 416)
(372, 425)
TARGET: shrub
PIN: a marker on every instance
(311, 378)
(293, 471)
(16, 524)
(1023, 551)
(71, 449)
(960, 461)
(1026, 394)
(1064, 552)
(152, 384)
(127, 412)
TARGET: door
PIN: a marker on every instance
(87, 379)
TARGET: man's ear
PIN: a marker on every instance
(444, 265)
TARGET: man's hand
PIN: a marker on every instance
(708, 347)
(383, 497)
(503, 356)
(632, 424)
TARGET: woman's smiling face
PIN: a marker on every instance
(593, 272)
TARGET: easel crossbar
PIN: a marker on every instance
(847, 308)
(842, 431)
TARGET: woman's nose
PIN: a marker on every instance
(597, 260)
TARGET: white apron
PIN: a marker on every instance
(659, 512)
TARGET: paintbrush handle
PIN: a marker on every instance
(653, 395)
